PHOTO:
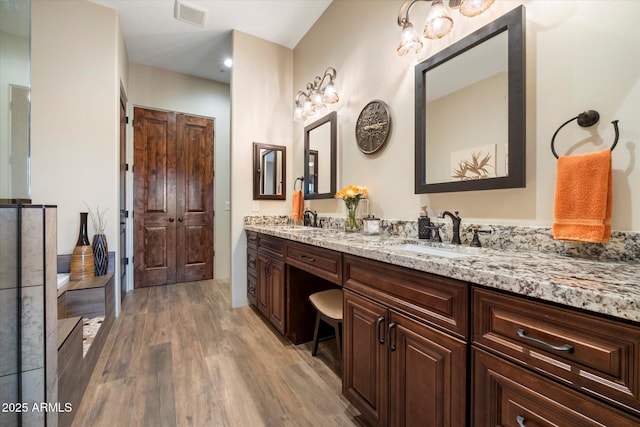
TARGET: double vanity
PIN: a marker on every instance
(440, 334)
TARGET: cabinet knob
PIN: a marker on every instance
(171, 219)
(180, 219)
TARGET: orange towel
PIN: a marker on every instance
(584, 198)
(296, 205)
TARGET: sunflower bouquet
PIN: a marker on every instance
(352, 196)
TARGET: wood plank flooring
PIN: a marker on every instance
(178, 355)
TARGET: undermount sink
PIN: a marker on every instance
(429, 250)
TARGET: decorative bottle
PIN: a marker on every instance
(82, 261)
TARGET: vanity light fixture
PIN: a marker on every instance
(316, 97)
(438, 22)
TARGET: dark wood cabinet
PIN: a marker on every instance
(402, 370)
(594, 355)
(266, 290)
(508, 395)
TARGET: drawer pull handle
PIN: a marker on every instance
(380, 335)
(520, 421)
(565, 347)
(392, 347)
(307, 259)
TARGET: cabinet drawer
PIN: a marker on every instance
(507, 395)
(324, 263)
(589, 353)
(252, 239)
(272, 245)
(435, 299)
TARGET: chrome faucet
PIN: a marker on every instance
(456, 220)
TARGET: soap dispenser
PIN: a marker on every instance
(424, 224)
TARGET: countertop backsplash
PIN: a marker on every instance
(623, 245)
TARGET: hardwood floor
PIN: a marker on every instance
(178, 355)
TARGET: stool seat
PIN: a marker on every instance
(328, 305)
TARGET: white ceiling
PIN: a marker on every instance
(154, 37)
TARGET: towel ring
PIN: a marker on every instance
(585, 120)
(301, 179)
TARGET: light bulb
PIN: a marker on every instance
(409, 40)
(330, 96)
(474, 7)
(438, 23)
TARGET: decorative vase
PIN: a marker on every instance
(100, 254)
(82, 257)
(352, 224)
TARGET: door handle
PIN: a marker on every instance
(392, 346)
(380, 335)
(565, 347)
(171, 219)
(520, 421)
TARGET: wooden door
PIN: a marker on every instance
(173, 208)
(154, 219)
(427, 375)
(365, 357)
(194, 198)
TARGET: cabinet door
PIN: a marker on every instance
(262, 288)
(428, 371)
(276, 284)
(365, 357)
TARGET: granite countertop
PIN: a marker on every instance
(610, 288)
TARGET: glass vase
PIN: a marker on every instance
(352, 224)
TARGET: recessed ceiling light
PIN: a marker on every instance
(228, 62)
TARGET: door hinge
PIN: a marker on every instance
(126, 261)
(126, 214)
(126, 120)
(126, 166)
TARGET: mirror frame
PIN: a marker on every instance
(331, 118)
(514, 23)
(256, 171)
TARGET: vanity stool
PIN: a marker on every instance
(328, 305)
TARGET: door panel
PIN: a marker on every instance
(427, 371)
(194, 198)
(364, 377)
(155, 198)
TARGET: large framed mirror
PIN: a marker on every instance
(320, 139)
(269, 171)
(470, 111)
(15, 81)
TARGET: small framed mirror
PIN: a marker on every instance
(320, 158)
(470, 111)
(269, 176)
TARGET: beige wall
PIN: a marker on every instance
(261, 111)
(166, 90)
(74, 114)
(580, 55)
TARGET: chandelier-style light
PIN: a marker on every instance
(316, 97)
(438, 23)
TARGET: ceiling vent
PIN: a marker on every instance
(189, 13)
